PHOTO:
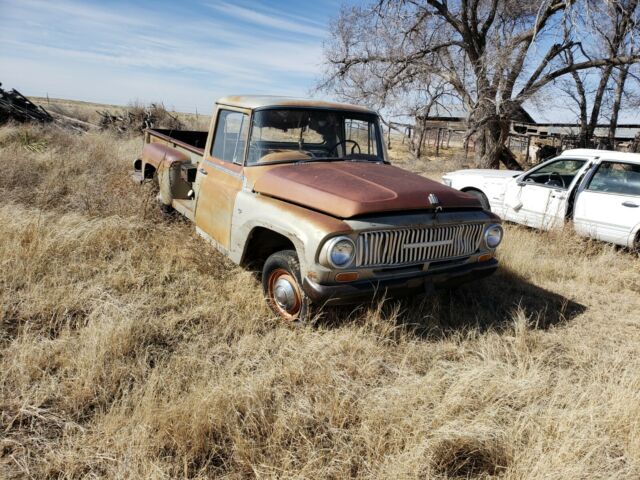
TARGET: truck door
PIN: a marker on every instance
(539, 198)
(220, 175)
(609, 207)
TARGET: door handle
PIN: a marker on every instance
(630, 204)
(203, 171)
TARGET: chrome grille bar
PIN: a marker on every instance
(417, 245)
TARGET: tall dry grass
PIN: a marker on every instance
(130, 349)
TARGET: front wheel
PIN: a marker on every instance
(282, 286)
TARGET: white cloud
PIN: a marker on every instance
(96, 53)
(275, 21)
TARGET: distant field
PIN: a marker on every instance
(131, 349)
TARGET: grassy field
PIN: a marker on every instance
(130, 349)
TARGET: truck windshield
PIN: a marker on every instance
(294, 135)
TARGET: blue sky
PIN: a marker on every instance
(186, 54)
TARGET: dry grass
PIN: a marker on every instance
(130, 349)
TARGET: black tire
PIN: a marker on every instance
(166, 209)
(484, 201)
(284, 266)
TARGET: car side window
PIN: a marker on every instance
(616, 177)
(559, 173)
(230, 138)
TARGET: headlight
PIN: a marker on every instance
(446, 181)
(340, 252)
(493, 236)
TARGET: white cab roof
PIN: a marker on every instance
(262, 101)
(603, 154)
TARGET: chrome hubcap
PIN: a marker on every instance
(284, 294)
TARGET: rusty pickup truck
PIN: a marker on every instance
(303, 191)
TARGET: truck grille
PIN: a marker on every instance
(417, 245)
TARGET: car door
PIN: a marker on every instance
(220, 176)
(539, 198)
(609, 207)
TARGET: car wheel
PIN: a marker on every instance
(484, 201)
(282, 286)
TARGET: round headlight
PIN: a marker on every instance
(340, 252)
(493, 236)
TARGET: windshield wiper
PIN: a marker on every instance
(321, 159)
(340, 159)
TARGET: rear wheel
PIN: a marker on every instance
(484, 201)
(282, 286)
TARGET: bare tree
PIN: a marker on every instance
(419, 101)
(620, 83)
(494, 54)
(612, 25)
(576, 90)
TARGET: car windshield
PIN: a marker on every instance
(558, 173)
(298, 135)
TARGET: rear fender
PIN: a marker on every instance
(163, 163)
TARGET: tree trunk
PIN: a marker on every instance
(418, 137)
(617, 101)
(491, 149)
(584, 136)
(597, 105)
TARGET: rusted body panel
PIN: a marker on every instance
(159, 155)
(345, 189)
(216, 199)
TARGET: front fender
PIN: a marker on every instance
(305, 228)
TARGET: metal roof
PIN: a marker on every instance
(264, 101)
(623, 132)
(459, 112)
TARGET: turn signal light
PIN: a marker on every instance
(346, 276)
(486, 257)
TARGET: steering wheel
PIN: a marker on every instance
(345, 141)
(556, 174)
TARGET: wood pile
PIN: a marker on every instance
(138, 118)
(15, 106)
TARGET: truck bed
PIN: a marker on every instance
(191, 140)
(172, 148)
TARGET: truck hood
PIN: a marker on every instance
(484, 173)
(349, 189)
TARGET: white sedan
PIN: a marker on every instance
(599, 190)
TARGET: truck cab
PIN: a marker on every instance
(303, 191)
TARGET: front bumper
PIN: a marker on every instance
(367, 290)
